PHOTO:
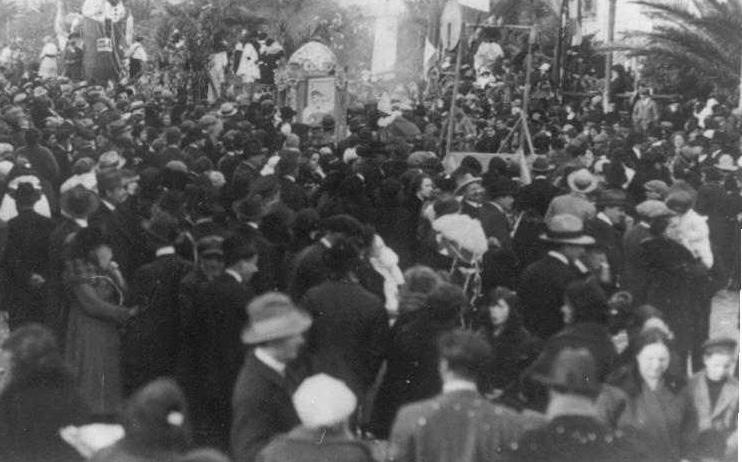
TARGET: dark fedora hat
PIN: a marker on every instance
(79, 202)
(570, 370)
(500, 186)
(26, 194)
(541, 164)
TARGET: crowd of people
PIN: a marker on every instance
(221, 276)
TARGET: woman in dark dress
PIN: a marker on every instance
(38, 398)
(513, 347)
(412, 358)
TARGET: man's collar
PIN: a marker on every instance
(108, 205)
(290, 178)
(265, 358)
(559, 256)
(252, 224)
(498, 207)
(326, 242)
(603, 217)
(162, 251)
(473, 204)
(234, 274)
(459, 385)
(81, 222)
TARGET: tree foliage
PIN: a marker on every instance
(704, 40)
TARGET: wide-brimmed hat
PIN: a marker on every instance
(612, 198)
(571, 370)
(652, 208)
(79, 202)
(541, 164)
(463, 181)
(227, 110)
(274, 316)
(721, 343)
(118, 127)
(210, 246)
(27, 194)
(110, 159)
(582, 181)
(726, 163)
(322, 401)
(566, 229)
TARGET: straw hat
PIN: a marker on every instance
(566, 229)
(582, 181)
(463, 181)
(726, 163)
(274, 316)
(79, 202)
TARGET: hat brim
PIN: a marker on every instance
(590, 188)
(466, 183)
(726, 168)
(90, 208)
(288, 325)
(228, 114)
(580, 240)
(591, 389)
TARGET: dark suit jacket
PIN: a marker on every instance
(634, 276)
(500, 263)
(219, 352)
(292, 194)
(150, 344)
(537, 195)
(541, 289)
(609, 239)
(575, 439)
(308, 270)
(349, 335)
(261, 409)
(26, 252)
(459, 426)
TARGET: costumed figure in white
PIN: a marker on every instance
(218, 63)
(248, 69)
(48, 57)
(107, 34)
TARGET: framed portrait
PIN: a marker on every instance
(320, 100)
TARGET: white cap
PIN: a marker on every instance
(323, 401)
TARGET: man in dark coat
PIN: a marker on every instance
(607, 228)
(574, 433)
(500, 262)
(308, 268)
(459, 424)
(26, 260)
(634, 276)
(220, 351)
(261, 404)
(538, 195)
(292, 194)
(350, 333)
(150, 343)
(42, 160)
(542, 284)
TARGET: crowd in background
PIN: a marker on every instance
(221, 275)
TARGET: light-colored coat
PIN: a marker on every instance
(723, 416)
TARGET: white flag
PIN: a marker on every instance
(428, 53)
(481, 5)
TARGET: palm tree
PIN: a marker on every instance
(704, 38)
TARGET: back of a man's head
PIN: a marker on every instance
(466, 353)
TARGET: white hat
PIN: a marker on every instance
(323, 401)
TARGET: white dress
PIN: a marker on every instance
(248, 68)
(48, 66)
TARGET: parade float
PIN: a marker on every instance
(313, 84)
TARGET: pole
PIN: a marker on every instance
(739, 103)
(527, 90)
(456, 78)
(609, 56)
(559, 64)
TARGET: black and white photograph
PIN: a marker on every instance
(370, 230)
